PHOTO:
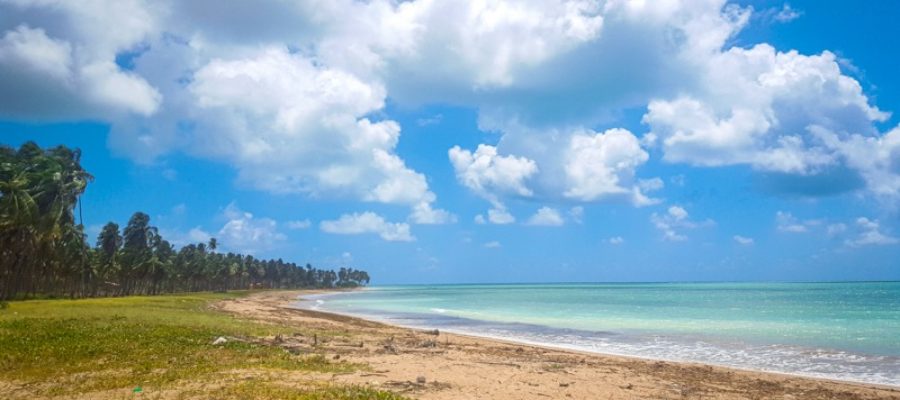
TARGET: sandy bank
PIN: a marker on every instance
(463, 367)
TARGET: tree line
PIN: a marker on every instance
(45, 252)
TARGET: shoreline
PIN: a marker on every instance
(449, 363)
(574, 349)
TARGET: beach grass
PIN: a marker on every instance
(152, 344)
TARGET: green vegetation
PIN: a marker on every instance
(271, 391)
(76, 347)
(44, 252)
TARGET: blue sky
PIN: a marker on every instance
(515, 142)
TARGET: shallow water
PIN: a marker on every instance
(845, 331)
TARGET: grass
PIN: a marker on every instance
(257, 390)
(72, 347)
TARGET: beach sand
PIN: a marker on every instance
(462, 367)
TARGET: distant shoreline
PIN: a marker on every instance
(468, 363)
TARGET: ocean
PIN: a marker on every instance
(844, 331)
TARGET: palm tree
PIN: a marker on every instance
(43, 250)
(109, 243)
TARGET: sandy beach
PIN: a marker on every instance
(438, 365)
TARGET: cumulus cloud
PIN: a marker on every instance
(500, 216)
(674, 221)
(457, 47)
(58, 59)
(860, 232)
(290, 125)
(245, 233)
(875, 159)
(175, 78)
(782, 113)
(368, 222)
(603, 164)
(869, 234)
(491, 175)
(423, 213)
(293, 126)
(615, 240)
(546, 216)
(52, 78)
(492, 245)
(180, 238)
(759, 117)
(242, 233)
(292, 94)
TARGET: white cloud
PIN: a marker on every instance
(46, 77)
(677, 213)
(497, 216)
(299, 224)
(180, 238)
(58, 59)
(602, 164)
(423, 214)
(615, 240)
(500, 216)
(784, 14)
(489, 174)
(292, 94)
(196, 235)
(242, 232)
(546, 216)
(869, 234)
(786, 222)
(875, 159)
(787, 14)
(31, 48)
(247, 234)
(291, 125)
(368, 222)
(582, 165)
(788, 115)
(459, 46)
(205, 84)
(492, 245)
(743, 240)
(674, 220)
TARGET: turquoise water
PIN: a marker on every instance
(848, 331)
